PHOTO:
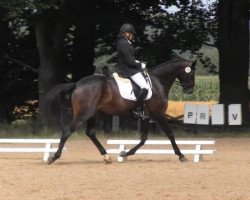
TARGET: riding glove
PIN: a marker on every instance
(143, 65)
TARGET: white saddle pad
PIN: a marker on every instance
(126, 89)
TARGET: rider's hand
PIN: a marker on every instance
(137, 61)
(143, 65)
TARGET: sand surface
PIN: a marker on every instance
(81, 174)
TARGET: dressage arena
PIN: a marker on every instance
(81, 174)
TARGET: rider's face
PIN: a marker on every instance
(129, 35)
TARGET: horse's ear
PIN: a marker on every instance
(193, 64)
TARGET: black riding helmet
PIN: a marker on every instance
(127, 28)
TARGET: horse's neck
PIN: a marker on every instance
(166, 76)
(168, 85)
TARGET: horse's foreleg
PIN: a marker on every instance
(144, 137)
(65, 135)
(90, 132)
(165, 127)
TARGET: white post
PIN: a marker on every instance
(198, 157)
(46, 151)
(122, 147)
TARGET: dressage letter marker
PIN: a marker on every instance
(203, 114)
(190, 114)
(234, 114)
(217, 112)
(199, 114)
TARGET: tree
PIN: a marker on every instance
(18, 81)
(233, 41)
(70, 34)
(186, 29)
(51, 28)
(84, 22)
(4, 39)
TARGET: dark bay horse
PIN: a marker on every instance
(99, 93)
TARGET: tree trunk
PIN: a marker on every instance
(233, 41)
(50, 34)
(4, 40)
(84, 42)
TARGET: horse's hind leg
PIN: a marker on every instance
(165, 127)
(74, 125)
(90, 132)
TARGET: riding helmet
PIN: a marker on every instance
(127, 28)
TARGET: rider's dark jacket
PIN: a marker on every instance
(126, 65)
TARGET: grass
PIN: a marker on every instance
(25, 130)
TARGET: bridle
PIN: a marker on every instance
(177, 82)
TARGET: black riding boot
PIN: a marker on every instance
(139, 104)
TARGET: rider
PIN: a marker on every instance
(128, 67)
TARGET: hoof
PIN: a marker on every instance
(183, 159)
(123, 154)
(50, 160)
(107, 159)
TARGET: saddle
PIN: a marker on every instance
(128, 89)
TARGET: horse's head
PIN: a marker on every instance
(186, 76)
(183, 70)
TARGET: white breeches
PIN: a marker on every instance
(140, 81)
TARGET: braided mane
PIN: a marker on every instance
(169, 63)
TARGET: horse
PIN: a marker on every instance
(100, 93)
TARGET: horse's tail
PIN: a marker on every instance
(58, 103)
(60, 90)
